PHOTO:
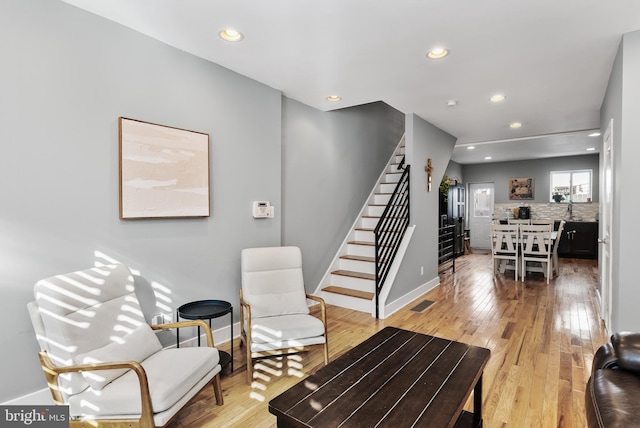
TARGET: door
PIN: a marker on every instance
(606, 207)
(480, 214)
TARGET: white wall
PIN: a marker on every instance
(622, 103)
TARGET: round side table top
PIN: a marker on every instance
(204, 309)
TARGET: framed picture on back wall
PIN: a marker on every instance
(164, 171)
(520, 188)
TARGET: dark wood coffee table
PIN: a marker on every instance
(396, 378)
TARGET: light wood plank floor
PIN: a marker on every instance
(542, 340)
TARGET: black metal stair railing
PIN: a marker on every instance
(390, 229)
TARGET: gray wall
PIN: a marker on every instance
(66, 77)
(331, 161)
(622, 103)
(454, 170)
(423, 141)
(500, 172)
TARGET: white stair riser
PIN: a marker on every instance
(353, 283)
(369, 222)
(381, 198)
(398, 158)
(361, 250)
(392, 178)
(376, 210)
(357, 266)
(348, 302)
(387, 187)
(365, 235)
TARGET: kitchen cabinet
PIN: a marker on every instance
(579, 240)
(452, 213)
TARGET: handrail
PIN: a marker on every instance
(446, 247)
(390, 229)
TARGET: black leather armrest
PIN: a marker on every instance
(605, 358)
(626, 346)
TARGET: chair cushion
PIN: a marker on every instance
(135, 346)
(286, 330)
(272, 281)
(171, 374)
(79, 311)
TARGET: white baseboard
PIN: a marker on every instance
(398, 304)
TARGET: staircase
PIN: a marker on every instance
(351, 281)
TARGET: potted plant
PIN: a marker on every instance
(558, 197)
(444, 188)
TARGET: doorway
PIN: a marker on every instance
(605, 240)
(481, 196)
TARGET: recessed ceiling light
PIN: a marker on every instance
(452, 103)
(487, 158)
(231, 35)
(471, 147)
(334, 98)
(591, 149)
(437, 53)
(497, 98)
(515, 125)
(594, 134)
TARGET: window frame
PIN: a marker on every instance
(571, 173)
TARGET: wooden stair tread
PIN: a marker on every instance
(359, 258)
(372, 244)
(349, 292)
(354, 274)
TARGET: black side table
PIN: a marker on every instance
(207, 309)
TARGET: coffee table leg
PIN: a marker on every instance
(477, 404)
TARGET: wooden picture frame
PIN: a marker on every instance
(520, 188)
(164, 171)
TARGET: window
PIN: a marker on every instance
(571, 186)
(482, 203)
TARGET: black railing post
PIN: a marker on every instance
(390, 230)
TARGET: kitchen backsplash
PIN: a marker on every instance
(581, 212)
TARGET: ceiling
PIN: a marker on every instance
(551, 58)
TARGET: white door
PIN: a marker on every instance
(606, 206)
(480, 214)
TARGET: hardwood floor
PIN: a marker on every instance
(542, 340)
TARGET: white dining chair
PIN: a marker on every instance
(504, 245)
(519, 221)
(536, 247)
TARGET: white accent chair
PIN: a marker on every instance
(104, 361)
(274, 314)
(536, 247)
(504, 245)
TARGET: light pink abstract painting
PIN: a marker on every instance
(164, 171)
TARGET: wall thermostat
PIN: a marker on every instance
(262, 209)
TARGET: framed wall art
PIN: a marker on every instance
(164, 171)
(520, 188)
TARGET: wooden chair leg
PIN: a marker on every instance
(217, 390)
(249, 364)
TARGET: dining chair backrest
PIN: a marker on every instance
(536, 239)
(542, 221)
(504, 238)
(518, 221)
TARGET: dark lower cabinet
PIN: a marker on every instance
(579, 240)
